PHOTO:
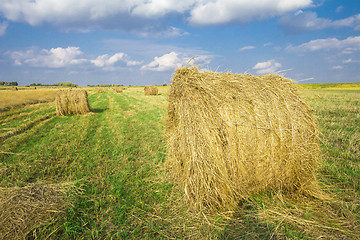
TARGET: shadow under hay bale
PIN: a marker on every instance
(150, 90)
(232, 135)
(72, 102)
(23, 210)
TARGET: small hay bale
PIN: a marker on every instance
(118, 90)
(100, 90)
(150, 90)
(232, 135)
(72, 102)
(24, 209)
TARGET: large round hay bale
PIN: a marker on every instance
(150, 90)
(72, 102)
(231, 135)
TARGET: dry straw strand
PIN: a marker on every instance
(23, 209)
(72, 102)
(151, 90)
(231, 135)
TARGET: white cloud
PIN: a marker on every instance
(3, 27)
(348, 60)
(108, 62)
(65, 57)
(270, 66)
(173, 60)
(156, 8)
(224, 11)
(339, 9)
(53, 58)
(346, 46)
(138, 15)
(268, 44)
(246, 48)
(170, 32)
(337, 67)
(309, 21)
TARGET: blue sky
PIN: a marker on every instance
(142, 42)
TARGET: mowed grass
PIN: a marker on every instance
(115, 157)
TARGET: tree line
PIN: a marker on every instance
(62, 84)
(106, 85)
(2, 83)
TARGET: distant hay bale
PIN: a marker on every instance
(150, 90)
(232, 135)
(23, 209)
(72, 102)
(118, 90)
(100, 90)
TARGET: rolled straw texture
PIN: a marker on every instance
(232, 135)
(72, 102)
(150, 90)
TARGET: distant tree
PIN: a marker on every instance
(2, 83)
(12, 83)
(66, 84)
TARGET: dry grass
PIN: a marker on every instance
(24, 209)
(72, 102)
(11, 99)
(233, 135)
(151, 90)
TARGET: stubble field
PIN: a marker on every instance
(110, 166)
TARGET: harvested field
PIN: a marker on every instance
(118, 156)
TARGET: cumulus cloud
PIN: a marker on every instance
(3, 27)
(346, 46)
(309, 21)
(246, 48)
(156, 8)
(53, 58)
(109, 62)
(138, 15)
(173, 60)
(270, 66)
(66, 57)
(224, 11)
